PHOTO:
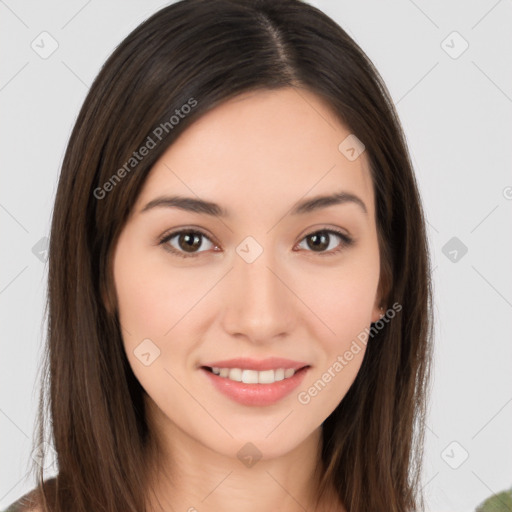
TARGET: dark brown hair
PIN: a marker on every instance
(201, 53)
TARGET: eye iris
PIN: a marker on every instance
(189, 241)
(319, 240)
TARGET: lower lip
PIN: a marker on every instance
(256, 394)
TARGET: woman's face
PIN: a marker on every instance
(261, 289)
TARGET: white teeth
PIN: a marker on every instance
(235, 374)
(289, 373)
(254, 376)
(266, 377)
(250, 376)
(279, 374)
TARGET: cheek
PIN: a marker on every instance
(151, 298)
(344, 307)
(342, 299)
(139, 298)
(151, 302)
(163, 305)
(342, 296)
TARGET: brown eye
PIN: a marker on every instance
(187, 243)
(320, 241)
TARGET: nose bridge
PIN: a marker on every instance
(259, 304)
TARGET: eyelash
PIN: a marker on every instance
(346, 241)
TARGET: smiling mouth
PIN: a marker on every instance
(254, 376)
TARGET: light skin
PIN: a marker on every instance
(256, 156)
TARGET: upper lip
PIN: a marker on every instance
(246, 363)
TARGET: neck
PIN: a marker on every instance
(192, 477)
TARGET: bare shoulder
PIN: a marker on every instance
(26, 503)
(23, 505)
(30, 502)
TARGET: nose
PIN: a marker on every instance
(259, 303)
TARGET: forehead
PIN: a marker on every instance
(270, 146)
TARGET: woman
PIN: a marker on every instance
(239, 284)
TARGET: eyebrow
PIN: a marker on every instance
(201, 206)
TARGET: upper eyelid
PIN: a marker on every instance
(171, 234)
(345, 237)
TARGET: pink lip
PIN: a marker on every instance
(256, 394)
(270, 363)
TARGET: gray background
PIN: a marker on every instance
(456, 111)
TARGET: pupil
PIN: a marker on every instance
(188, 238)
(319, 241)
(192, 241)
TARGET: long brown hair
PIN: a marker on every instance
(199, 53)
